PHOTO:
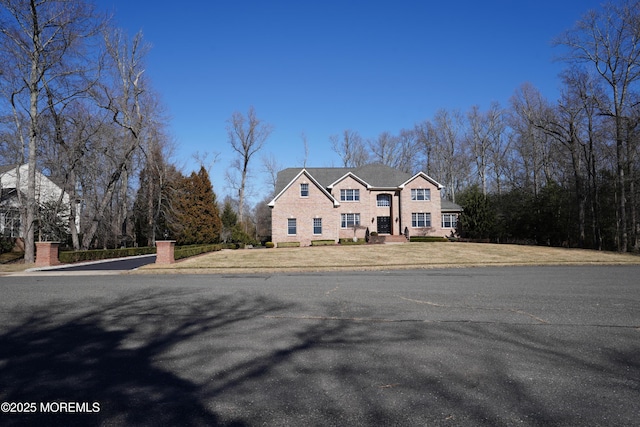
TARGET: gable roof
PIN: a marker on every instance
(6, 168)
(347, 175)
(285, 187)
(425, 176)
(372, 175)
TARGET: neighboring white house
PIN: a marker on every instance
(13, 179)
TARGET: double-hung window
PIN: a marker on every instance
(420, 194)
(317, 225)
(420, 219)
(449, 220)
(304, 190)
(292, 228)
(349, 220)
(350, 195)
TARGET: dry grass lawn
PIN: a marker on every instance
(383, 257)
(12, 268)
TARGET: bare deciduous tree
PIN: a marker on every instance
(247, 136)
(305, 146)
(123, 98)
(351, 148)
(271, 167)
(609, 41)
(447, 157)
(528, 107)
(485, 132)
(41, 41)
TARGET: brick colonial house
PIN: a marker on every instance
(336, 203)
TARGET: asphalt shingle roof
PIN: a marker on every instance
(6, 168)
(376, 175)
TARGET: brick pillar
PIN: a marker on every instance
(47, 254)
(164, 251)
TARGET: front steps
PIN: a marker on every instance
(395, 239)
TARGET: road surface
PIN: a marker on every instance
(480, 346)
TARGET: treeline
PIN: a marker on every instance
(561, 172)
(76, 103)
(185, 209)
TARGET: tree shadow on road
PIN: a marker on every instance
(169, 358)
(110, 355)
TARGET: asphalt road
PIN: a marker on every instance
(489, 346)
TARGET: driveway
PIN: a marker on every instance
(480, 346)
(115, 265)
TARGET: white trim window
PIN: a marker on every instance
(420, 219)
(304, 190)
(449, 220)
(292, 227)
(349, 195)
(383, 200)
(317, 226)
(348, 220)
(421, 194)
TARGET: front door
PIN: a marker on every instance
(384, 225)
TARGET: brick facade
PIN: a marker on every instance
(432, 207)
(292, 205)
(165, 251)
(303, 199)
(47, 254)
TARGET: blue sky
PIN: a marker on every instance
(320, 67)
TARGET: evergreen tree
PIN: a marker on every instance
(229, 217)
(478, 219)
(197, 211)
(153, 210)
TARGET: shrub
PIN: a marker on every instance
(6, 244)
(322, 242)
(289, 244)
(270, 245)
(351, 242)
(238, 235)
(377, 239)
(427, 239)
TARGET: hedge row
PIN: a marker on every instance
(289, 244)
(351, 242)
(428, 239)
(323, 242)
(97, 254)
(193, 250)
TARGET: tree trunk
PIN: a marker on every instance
(622, 199)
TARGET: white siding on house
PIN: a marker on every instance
(46, 192)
